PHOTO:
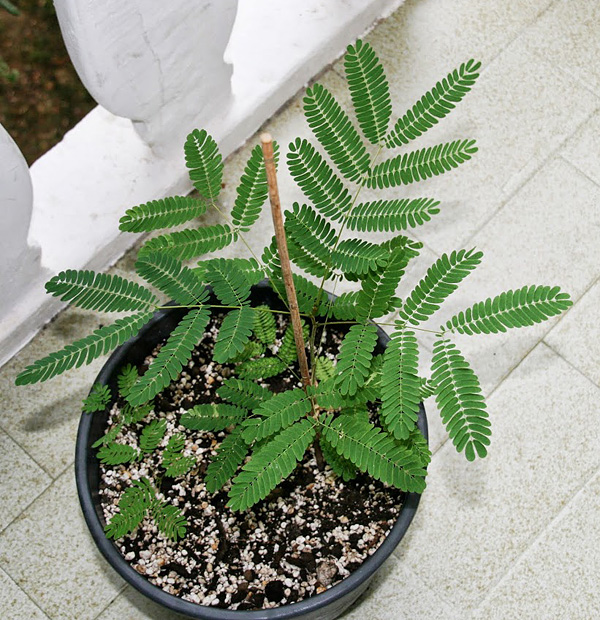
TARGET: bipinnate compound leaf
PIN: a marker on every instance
(310, 240)
(264, 327)
(369, 90)
(152, 434)
(97, 399)
(434, 105)
(252, 191)
(375, 452)
(357, 257)
(191, 242)
(172, 277)
(204, 162)
(170, 359)
(163, 213)
(244, 393)
(261, 368)
(400, 384)
(521, 308)
(229, 283)
(133, 507)
(440, 281)
(230, 455)
(169, 519)
(116, 453)
(212, 417)
(355, 358)
(317, 180)
(335, 132)
(100, 291)
(344, 468)
(126, 379)
(176, 464)
(234, 333)
(392, 215)
(460, 401)
(85, 350)
(421, 164)
(276, 414)
(270, 464)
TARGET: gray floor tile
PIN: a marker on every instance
(577, 335)
(50, 554)
(476, 519)
(583, 149)
(21, 480)
(15, 604)
(131, 605)
(567, 36)
(558, 576)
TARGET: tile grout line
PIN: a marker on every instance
(580, 372)
(3, 429)
(26, 594)
(117, 595)
(577, 168)
(538, 537)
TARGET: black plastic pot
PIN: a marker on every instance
(325, 606)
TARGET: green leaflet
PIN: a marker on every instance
(229, 283)
(174, 354)
(252, 191)
(169, 519)
(133, 507)
(275, 414)
(317, 180)
(252, 271)
(97, 399)
(441, 280)
(344, 468)
(270, 464)
(204, 163)
(212, 417)
(234, 333)
(521, 308)
(84, 351)
(261, 368)
(400, 384)
(163, 213)
(230, 455)
(171, 277)
(173, 459)
(355, 357)
(190, 243)
(392, 215)
(369, 90)
(244, 392)
(100, 291)
(324, 368)
(421, 164)
(460, 400)
(335, 132)
(375, 452)
(434, 105)
(116, 453)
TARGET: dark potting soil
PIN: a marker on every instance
(308, 534)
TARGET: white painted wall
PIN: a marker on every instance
(158, 69)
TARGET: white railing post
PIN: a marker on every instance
(159, 63)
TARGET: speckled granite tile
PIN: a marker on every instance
(131, 605)
(43, 418)
(476, 519)
(577, 335)
(567, 36)
(21, 480)
(529, 241)
(397, 593)
(50, 554)
(15, 604)
(558, 576)
(583, 149)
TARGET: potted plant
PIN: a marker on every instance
(257, 450)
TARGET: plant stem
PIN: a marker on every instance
(286, 269)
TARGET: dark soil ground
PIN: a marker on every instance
(41, 96)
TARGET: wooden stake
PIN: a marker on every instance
(286, 269)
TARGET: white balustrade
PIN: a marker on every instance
(158, 69)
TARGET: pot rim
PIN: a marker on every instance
(114, 557)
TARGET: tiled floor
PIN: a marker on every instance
(513, 535)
